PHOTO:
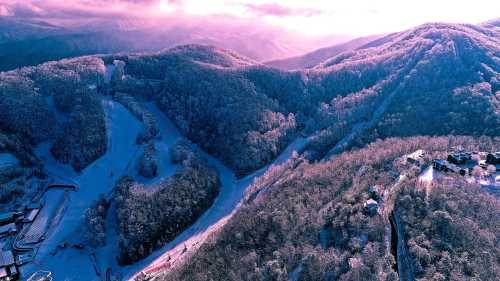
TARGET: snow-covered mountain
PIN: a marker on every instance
(176, 139)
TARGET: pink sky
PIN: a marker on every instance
(309, 17)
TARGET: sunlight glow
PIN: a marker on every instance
(355, 17)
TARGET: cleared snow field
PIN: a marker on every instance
(98, 178)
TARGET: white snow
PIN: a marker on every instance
(224, 207)
(8, 160)
(427, 176)
(98, 178)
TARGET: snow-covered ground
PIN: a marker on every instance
(168, 136)
(98, 178)
(225, 205)
(68, 263)
(8, 160)
(427, 176)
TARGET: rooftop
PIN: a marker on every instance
(6, 258)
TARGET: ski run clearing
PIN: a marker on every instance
(55, 253)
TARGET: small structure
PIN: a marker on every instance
(459, 158)
(483, 164)
(8, 229)
(439, 164)
(31, 215)
(8, 270)
(493, 158)
(445, 166)
(416, 157)
(24, 258)
(371, 207)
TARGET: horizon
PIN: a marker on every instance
(313, 19)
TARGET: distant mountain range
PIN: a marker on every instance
(25, 42)
(314, 58)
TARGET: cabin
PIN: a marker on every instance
(416, 157)
(445, 166)
(24, 258)
(493, 158)
(8, 269)
(371, 207)
(459, 158)
(440, 165)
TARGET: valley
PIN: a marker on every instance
(373, 160)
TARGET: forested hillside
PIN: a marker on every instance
(310, 224)
(436, 79)
(56, 102)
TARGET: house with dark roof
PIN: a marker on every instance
(493, 158)
(8, 269)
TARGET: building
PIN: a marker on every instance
(445, 166)
(440, 165)
(371, 206)
(459, 158)
(416, 157)
(493, 158)
(24, 258)
(8, 269)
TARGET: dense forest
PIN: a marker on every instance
(453, 232)
(436, 79)
(312, 224)
(150, 216)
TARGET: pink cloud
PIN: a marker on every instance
(274, 9)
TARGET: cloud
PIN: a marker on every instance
(277, 10)
(4, 11)
(75, 9)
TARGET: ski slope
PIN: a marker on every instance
(98, 178)
(68, 263)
